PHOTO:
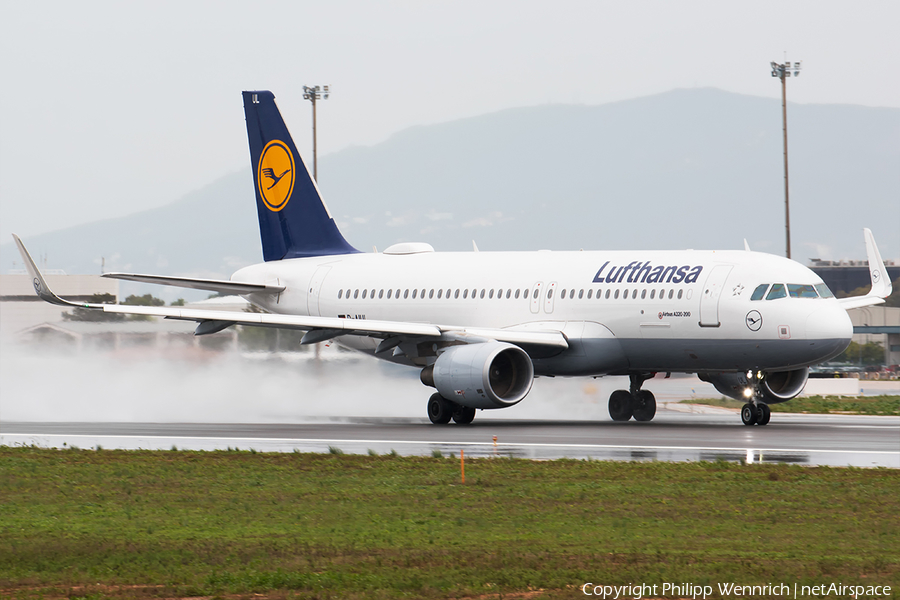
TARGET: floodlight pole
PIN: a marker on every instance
(313, 94)
(782, 71)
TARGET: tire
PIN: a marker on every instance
(439, 410)
(621, 406)
(749, 414)
(645, 407)
(463, 415)
(765, 413)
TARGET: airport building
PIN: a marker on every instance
(880, 324)
(26, 319)
(21, 309)
(848, 275)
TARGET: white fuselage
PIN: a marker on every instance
(686, 311)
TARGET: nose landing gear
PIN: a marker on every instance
(755, 412)
(637, 403)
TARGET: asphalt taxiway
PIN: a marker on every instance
(837, 440)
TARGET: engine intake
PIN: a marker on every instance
(486, 375)
(779, 386)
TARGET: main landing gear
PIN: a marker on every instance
(441, 410)
(755, 412)
(637, 403)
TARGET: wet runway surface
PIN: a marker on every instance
(835, 440)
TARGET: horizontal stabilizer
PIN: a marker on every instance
(212, 285)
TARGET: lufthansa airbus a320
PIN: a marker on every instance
(480, 326)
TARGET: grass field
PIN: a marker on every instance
(822, 405)
(86, 523)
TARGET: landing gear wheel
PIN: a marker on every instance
(644, 406)
(765, 413)
(620, 405)
(439, 410)
(463, 415)
(749, 414)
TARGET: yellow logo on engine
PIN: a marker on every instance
(275, 175)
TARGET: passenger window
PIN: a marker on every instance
(616, 295)
(625, 295)
(405, 294)
(440, 293)
(491, 295)
(340, 293)
(643, 294)
(776, 292)
(550, 293)
(517, 294)
(422, 295)
(580, 294)
(680, 292)
(607, 294)
(348, 294)
(590, 294)
(372, 294)
(430, 294)
(473, 294)
(355, 294)
(759, 292)
(448, 294)
(364, 294)
(652, 294)
(823, 290)
(662, 294)
(535, 295)
(482, 294)
(389, 294)
(508, 292)
(800, 290)
(562, 295)
(380, 294)
(456, 294)
(670, 294)
(414, 294)
(465, 293)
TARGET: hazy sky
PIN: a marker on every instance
(109, 108)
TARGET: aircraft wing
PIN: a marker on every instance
(317, 328)
(881, 283)
(213, 285)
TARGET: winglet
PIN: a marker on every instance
(746, 246)
(881, 283)
(40, 284)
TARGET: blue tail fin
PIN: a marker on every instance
(293, 220)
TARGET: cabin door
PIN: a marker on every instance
(315, 287)
(712, 291)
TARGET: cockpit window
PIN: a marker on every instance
(760, 291)
(802, 290)
(776, 292)
(823, 290)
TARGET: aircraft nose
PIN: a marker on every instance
(829, 323)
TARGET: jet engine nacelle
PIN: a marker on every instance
(779, 386)
(485, 375)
